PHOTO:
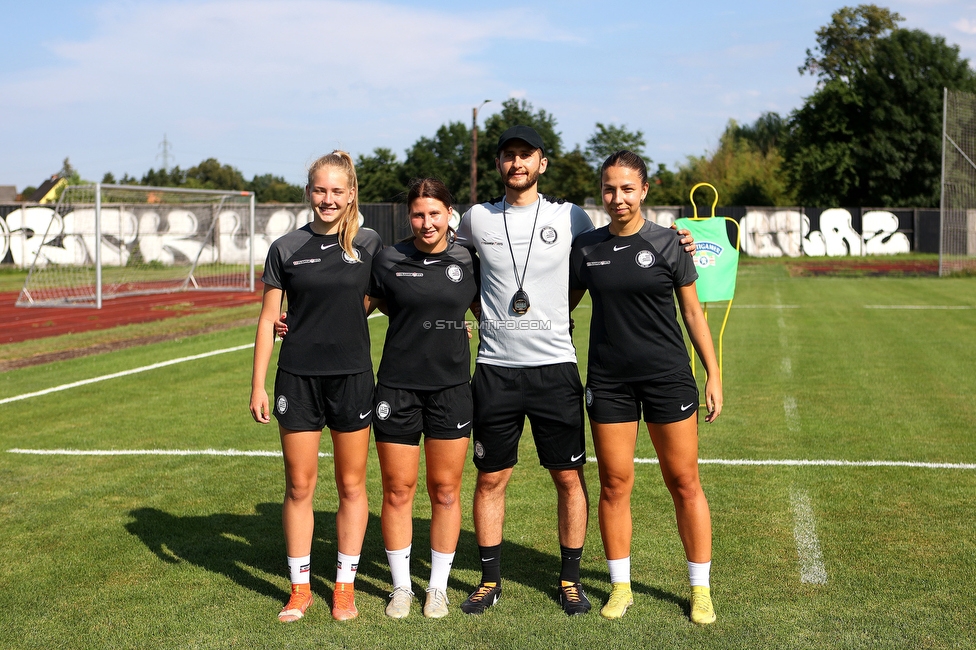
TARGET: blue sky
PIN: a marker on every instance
(268, 85)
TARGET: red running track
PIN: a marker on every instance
(24, 323)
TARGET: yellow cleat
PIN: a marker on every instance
(702, 611)
(621, 597)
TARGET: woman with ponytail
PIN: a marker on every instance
(324, 377)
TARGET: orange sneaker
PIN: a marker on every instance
(344, 602)
(294, 609)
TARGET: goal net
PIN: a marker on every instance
(957, 248)
(105, 241)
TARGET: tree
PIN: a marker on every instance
(746, 169)
(766, 134)
(446, 156)
(211, 175)
(572, 178)
(69, 173)
(608, 139)
(380, 177)
(666, 188)
(875, 138)
(846, 45)
(275, 189)
(175, 177)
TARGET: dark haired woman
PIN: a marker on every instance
(638, 363)
(425, 285)
(325, 376)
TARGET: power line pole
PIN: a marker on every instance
(474, 152)
(165, 154)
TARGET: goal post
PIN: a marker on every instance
(957, 210)
(105, 241)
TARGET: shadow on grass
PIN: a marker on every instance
(249, 548)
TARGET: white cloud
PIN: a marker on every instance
(965, 26)
(239, 52)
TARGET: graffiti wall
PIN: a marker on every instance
(152, 233)
(175, 235)
(778, 232)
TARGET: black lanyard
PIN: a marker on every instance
(520, 302)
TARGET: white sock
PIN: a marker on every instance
(440, 569)
(346, 567)
(298, 568)
(698, 573)
(619, 569)
(400, 567)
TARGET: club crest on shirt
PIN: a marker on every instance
(548, 234)
(383, 410)
(454, 273)
(645, 259)
(348, 259)
(281, 405)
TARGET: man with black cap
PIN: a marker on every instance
(526, 360)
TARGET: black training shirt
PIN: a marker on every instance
(327, 332)
(634, 331)
(427, 295)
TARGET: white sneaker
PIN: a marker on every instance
(400, 600)
(436, 605)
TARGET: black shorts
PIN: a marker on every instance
(402, 414)
(550, 396)
(313, 402)
(671, 398)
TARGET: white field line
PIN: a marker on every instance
(126, 373)
(812, 569)
(919, 307)
(792, 415)
(735, 306)
(787, 367)
(592, 459)
(786, 364)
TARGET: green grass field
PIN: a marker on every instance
(187, 551)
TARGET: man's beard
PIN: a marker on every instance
(530, 179)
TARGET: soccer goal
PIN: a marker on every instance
(106, 241)
(957, 248)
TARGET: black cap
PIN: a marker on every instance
(520, 132)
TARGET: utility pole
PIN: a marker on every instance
(165, 154)
(474, 151)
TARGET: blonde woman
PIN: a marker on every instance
(324, 376)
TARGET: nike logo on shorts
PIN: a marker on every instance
(685, 408)
(328, 246)
(429, 262)
(573, 459)
(362, 416)
(620, 248)
(461, 426)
